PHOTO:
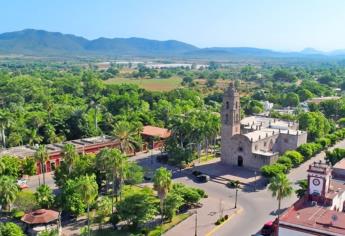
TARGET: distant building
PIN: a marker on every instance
(154, 137)
(322, 99)
(321, 212)
(254, 141)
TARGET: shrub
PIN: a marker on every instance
(10, 229)
(272, 170)
(286, 161)
(324, 142)
(190, 195)
(17, 214)
(306, 150)
(295, 157)
(332, 137)
(25, 201)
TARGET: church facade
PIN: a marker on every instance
(254, 141)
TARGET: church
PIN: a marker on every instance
(256, 140)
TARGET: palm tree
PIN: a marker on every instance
(127, 134)
(162, 184)
(118, 165)
(42, 157)
(303, 186)
(34, 137)
(70, 156)
(44, 196)
(88, 190)
(5, 121)
(281, 188)
(8, 191)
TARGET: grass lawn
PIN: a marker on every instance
(205, 158)
(150, 84)
(155, 232)
(177, 219)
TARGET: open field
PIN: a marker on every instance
(150, 84)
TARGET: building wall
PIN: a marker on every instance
(289, 142)
(291, 232)
(239, 147)
(265, 143)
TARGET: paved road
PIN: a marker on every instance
(259, 206)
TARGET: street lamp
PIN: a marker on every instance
(196, 223)
(255, 181)
(236, 187)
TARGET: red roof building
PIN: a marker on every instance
(321, 211)
(154, 137)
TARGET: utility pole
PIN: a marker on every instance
(255, 181)
(236, 186)
(196, 223)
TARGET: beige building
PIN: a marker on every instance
(254, 141)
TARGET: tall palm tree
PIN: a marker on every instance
(281, 188)
(44, 196)
(5, 121)
(118, 166)
(162, 184)
(88, 190)
(70, 156)
(8, 191)
(34, 137)
(127, 134)
(41, 156)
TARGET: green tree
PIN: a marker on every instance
(44, 196)
(127, 134)
(10, 166)
(104, 206)
(29, 166)
(281, 187)
(87, 188)
(162, 184)
(295, 157)
(70, 156)
(302, 188)
(137, 208)
(5, 121)
(171, 204)
(8, 191)
(10, 229)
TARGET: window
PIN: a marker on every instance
(227, 105)
(240, 149)
(256, 147)
(286, 140)
(226, 119)
(265, 144)
(237, 117)
(236, 105)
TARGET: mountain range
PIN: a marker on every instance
(31, 42)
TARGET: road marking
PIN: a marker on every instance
(238, 211)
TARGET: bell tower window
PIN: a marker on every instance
(226, 119)
(227, 105)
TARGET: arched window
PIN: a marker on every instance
(237, 117)
(227, 105)
(236, 105)
(226, 119)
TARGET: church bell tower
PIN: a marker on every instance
(230, 113)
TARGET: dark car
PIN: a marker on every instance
(202, 178)
(268, 229)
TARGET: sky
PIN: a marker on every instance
(286, 25)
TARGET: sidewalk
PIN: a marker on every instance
(206, 217)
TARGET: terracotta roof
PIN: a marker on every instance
(156, 132)
(303, 215)
(41, 216)
(340, 164)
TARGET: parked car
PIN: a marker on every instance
(268, 229)
(22, 183)
(202, 178)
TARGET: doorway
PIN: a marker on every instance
(240, 161)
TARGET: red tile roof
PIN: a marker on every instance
(156, 132)
(304, 215)
(41, 216)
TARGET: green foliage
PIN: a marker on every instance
(10, 229)
(286, 161)
(190, 195)
(270, 171)
(295, 157)
(336, 155)
(49, 232)
(8, 191)
(171, 204)
(25, 201)
(315, 123)
(44, 196)
(16, 214)
(12, 166)
(324, 142)
(29, 166)
(302, 188)
(104, 210)
(137, 208)
(281, 187)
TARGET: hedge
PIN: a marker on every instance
(293, 158)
